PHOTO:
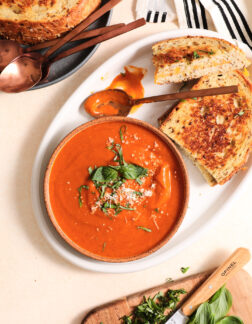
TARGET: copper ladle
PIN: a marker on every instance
(117, 102)
(25, 71)
(10, 49)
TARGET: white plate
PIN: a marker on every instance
(206, 204)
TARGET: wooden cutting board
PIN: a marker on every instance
(240, 287)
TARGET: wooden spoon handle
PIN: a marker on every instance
(187, 94)
(93, 17)
(82, 35)
(121, 30)
(223, 273)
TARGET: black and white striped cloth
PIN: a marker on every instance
(228, 17)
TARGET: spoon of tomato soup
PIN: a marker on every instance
(117, 102)
(116, 189)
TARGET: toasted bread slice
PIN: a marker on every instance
(215, 131)
(35, 21)
(191, 57)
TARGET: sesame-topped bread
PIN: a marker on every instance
(215, 131)
(191, 57)
(34, 21)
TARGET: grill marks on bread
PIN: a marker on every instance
(215, 131)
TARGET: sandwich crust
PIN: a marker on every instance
(35, 21)
(191, 57)
(215, 131)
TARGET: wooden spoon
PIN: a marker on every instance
(116, 102)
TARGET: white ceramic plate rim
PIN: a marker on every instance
(37, 196)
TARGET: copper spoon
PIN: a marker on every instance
(10, 49)
(25, 71)
(113, 33)
(120, 103)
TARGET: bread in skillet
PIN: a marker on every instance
(215, 131)
(191, 57)
(35, 21)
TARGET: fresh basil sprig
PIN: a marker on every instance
(203, 315)
(220, 303)
(113, 176)
(230, 320)
(214, 311)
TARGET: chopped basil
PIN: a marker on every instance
(208, 52)
(154, 310)
(117, 207)
(195, 55)
(144, 229)
(184, 270)
(122, 131)
(138, 193)
(79, 190)
(113, 176)
(240, 113)
(156, 210)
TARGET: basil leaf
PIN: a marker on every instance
(133, 171)
(230, 320)
(109, 174)
(104, 174)
(220, 303)
(97, 175)
(203, 315)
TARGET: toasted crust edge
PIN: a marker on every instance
(208, 177)
(206, 37)
(31, 32)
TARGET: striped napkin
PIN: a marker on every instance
(228, 17)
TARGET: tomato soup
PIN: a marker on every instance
(128, 81)
(116, 190)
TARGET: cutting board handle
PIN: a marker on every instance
(219, 277)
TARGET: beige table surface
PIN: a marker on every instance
(36, 284)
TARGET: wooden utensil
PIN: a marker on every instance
(26, 70)
(219, 277)
(240, 286)
(122, 103)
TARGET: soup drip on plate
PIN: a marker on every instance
(129, 81)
